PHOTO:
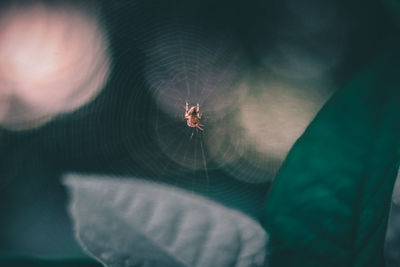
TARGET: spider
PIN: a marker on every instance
(193, 116)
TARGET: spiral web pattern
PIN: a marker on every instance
(184, 60)
(136, 126)
(187, 65)
(162, 57)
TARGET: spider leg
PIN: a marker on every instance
(198, 108)
(187, 107)
(198, 127)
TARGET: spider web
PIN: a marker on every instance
(187, 60)
(188, 64)
(165, 55)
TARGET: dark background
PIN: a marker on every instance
(116, 135)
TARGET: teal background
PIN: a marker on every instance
(114, 135)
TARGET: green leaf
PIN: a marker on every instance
(329, 203)
(131, 222)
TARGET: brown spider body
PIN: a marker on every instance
(193, 116)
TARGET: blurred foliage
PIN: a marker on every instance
(329, 204)
(115, 135)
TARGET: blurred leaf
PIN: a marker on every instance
(129, 222)
(392, 242)
(329, 203)
(396, 190)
